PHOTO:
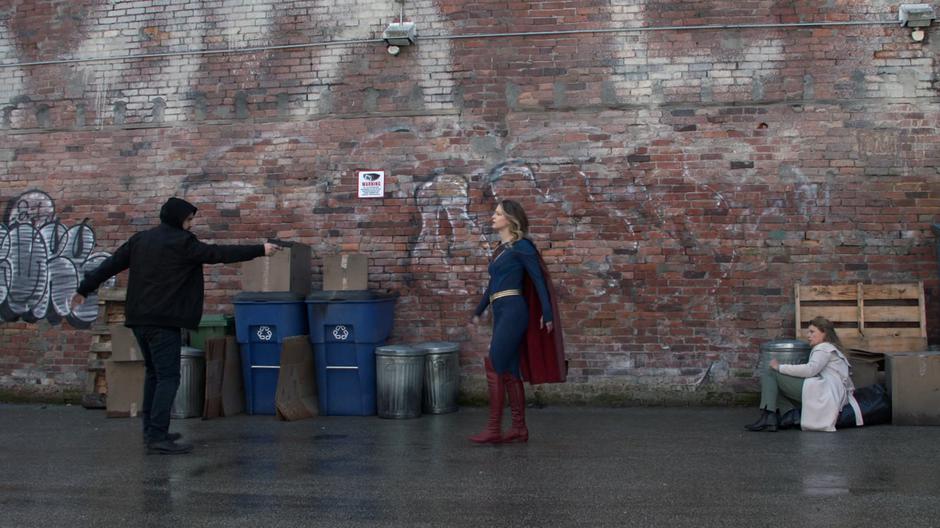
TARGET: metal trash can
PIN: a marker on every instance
(786, 351)
(192, 390)
(399, 379)
(441, 377)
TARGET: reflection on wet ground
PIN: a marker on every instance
(582, 466)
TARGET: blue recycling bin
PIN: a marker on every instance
(262, 321)
(345, 329)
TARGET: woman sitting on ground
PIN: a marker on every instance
(821, 386)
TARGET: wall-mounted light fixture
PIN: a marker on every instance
(917, 17)
(399, 34)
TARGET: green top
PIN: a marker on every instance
(216, 320)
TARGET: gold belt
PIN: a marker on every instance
(504, 293)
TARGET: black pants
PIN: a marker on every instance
(160, 347)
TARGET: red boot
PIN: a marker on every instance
(496, 389)
(518, 432)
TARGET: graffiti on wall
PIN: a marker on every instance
(42, 261)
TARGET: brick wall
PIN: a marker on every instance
(678, 182)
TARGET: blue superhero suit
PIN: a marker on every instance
(507, 270)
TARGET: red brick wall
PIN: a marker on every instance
(678, 182)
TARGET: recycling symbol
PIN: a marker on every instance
(264, 333)
(340, 333)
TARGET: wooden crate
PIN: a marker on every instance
(876, 317)
(111, 311)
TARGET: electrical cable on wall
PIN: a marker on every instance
(477, 36)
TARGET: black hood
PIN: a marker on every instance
(175, 211)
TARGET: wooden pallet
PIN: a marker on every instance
(876, 317)
(111, 303)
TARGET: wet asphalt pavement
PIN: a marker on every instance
(67, 466)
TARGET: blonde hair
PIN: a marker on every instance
(518, 221)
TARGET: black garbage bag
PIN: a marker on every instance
(790, 419)
(875, 404)
(846, 418)
(873, 401)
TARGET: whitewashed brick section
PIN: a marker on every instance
(11, 79)
(169, 26)
(366, 19)
(247, 22)
(632, 80)
(121, 29)
(901, 78)
(173, 28)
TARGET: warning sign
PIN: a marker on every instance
(371, 184)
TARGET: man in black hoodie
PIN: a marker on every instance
(165, 292)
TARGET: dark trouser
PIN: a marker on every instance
(780, 392)
(160, 347)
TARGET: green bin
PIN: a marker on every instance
(214, 325)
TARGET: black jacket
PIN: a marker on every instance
(165, 286)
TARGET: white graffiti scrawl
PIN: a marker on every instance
(42, 262)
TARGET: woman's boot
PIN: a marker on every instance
(518, 432)
(494, 385)
(768, 421)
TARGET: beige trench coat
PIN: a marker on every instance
(826, 390)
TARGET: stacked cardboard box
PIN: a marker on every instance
(914, 383)
(867, 367)
(287, 270)
(345, 272)
(125, 373)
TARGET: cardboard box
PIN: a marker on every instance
(914, 383)
(865, 367)
(233, 389)
(296, 395)
(125, 388)
(287, 270)
(215, 364)
(225, 395)
(346, 272)
(124, 345)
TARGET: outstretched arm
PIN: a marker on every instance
(226, 254)
(111, 266)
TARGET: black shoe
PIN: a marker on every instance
(172, 437)
(773, 420)
(768, 421)
(167, 447)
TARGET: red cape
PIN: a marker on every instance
(542, 353)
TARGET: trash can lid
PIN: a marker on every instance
(256, 297)
(785, 344)
(399, 350)
(216, 320)
(438, 347)
(352, 295)
(188, 351)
